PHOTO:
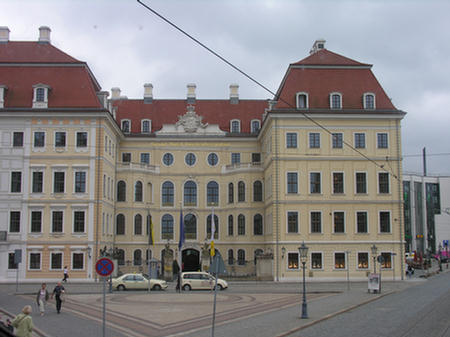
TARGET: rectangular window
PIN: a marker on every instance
(58, 182)
(11, 263)
(77, 261)
(145, 158)
(292, 222)
(360, 140)
(256, 158)
(18, 139)
(337, 140)
(235, 158)
(316, 222)
(383, 182)
(339, 260)
(316, 260)
(361, 222)
(314, 178)
(36, 222)
(39, 139)
(35, 261)
(14, 222)
(60, 139)
(292, 260)
(56, 261)
(292, 182)
(82, 138)
(126, 157)
(387, 260)
(339, 222)
(382, 140)
(314, 140)
(38, 182)
(291, 140)
(385, 222)
(338, 182)
(80, 182)
(363, 260)
(78, 221)
(361, 182)
(16, 182)
(57, 221)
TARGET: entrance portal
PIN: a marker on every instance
(191, 260)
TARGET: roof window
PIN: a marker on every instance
(2, 95)
(40, 95)
(335, 100)
(369, 101)
(302, 100)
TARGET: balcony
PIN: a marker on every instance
(137, 167)
(237, 167)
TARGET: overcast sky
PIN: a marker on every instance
(126, 46)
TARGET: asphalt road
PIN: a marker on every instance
(422, 310)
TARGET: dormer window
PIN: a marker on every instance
(146, 126)
(40, 95)
(2, 95)
(335, 100)
(302, 100)
(369, 101)
(235, 126)
(126, 125)
(255, 126)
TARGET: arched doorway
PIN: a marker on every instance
(191, 260)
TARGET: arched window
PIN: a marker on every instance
(212, 192)
(138, 191)
(190, 193)
(369, 101)
(230, 225)
(241, 257)
(257, 224)
(230, 193)
(126, 127)
(208, 227)
(255, 126)
(235, 126)
(241, 224)
(145, 126)
(230, 257)
(120, 224)
(120, 257)
(167, 227)
(335, 100)
(121, 191)
(302, 100)
(167, 194)
(241, 191)
(138, 224)
(137, 257)
(257, 191)
(190, 227)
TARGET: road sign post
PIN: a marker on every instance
(104, 267)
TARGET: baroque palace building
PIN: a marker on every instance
(318, 163)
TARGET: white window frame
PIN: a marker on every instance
(62, 209)
(321, 222)
(321, 260)
(387, 140)
(149, 126)
(81, 148)
(392, 257)
(55, 251)
(355, 182)
(368, 260)
(309, 183)
(345, 259)
(379, 221)
(287, 222)
(365, 140)
(21, 182)
(309, 140)
(40, 104)
(343, 183)
(345, 221)
(39, 209)
(331, 144)
(298, 260)
(207, 159)
(84, 210)
(60, 148)
(55, 170)
(2, 95)
(378, 183)
(297, 95)
(356, 221)
(85, 181)
(331, 100)
(231, 126)
(374, 100)
(296, 140)
(39, 148)
(34, 251)
(287, 183)
(251, 125)
(77, 251)
(122, 121)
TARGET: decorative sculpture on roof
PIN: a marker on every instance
(190, 121)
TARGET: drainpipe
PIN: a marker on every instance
(277, 215)
(400, 196)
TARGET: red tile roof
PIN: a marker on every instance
(326, 57)
(166, 111)
(32, 52)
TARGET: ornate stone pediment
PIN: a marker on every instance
(190, 123)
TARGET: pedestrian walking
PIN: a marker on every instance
(58, 292)
(178, 287)
(42, 298)
(23, 322)
(66, 274)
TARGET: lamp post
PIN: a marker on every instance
(374, 250)
(303, 250)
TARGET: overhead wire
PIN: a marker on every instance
(251, 78)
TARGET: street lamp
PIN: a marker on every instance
(374, 255)
(303, 250)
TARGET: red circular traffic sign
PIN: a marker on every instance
(104, 267)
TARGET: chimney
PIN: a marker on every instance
(191, 93)
(44, 34)
(4, 34)
(115, 93)
(234, 93)
(148, 93)
(317, 46)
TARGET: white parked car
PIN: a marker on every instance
(201, 280)
(137, 281)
